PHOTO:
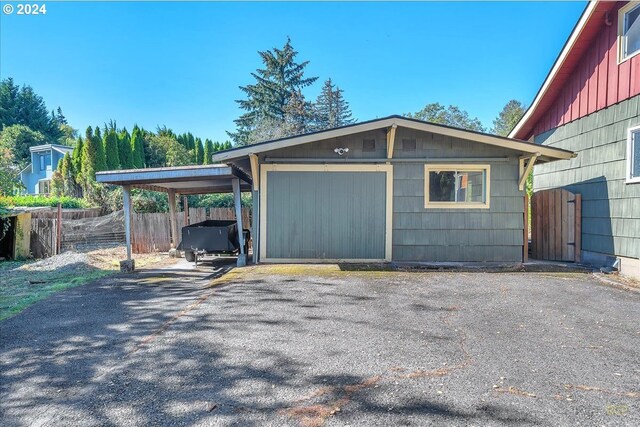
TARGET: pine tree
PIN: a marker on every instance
(76, 157)
(101, 157)
(110, 141)
(137, 148)
(88, 158)
(198, 152)
(124, 150)
(227, 145)
(267, 98)
(208, 152)
(70, 188)
(298, 114)
(191, 142)
(508, 118)
(331, 109)
(217, 147)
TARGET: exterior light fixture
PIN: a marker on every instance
(341, 151)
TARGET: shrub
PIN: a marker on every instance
(37, 201)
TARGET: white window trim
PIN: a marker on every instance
(631, 179)
(462, 168)
(621, 12)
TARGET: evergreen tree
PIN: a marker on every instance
(227, 145)
(331, 109)
(217, 147)
(60, 118)
(110, 141)
(298, 114)
(450, 116)
(198, 152)
(101, 157)
(69, 186)
(124, 150)
(76, 158)
(137, 148)
(191, 142)
(508, 118)
(89, 156)
(267, 98)
(208, 152)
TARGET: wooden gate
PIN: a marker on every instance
(556, 223)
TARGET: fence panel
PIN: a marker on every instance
(43, 237)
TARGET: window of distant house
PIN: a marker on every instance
(457, 186)
(629, 30)
(45, 160)
(43, 186)
(633, 155)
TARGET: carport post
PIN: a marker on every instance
(237, 202)
(127, 265)
(172, 219)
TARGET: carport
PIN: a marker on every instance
(176, 181)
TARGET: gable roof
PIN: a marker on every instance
(584, 32)
(547, 153)
(57, 147)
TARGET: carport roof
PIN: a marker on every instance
(181, 179)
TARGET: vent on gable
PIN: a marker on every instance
(368, 145)
(408, 145)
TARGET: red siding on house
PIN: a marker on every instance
(596, 81)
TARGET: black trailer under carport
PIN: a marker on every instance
(180, 180)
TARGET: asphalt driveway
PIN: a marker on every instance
(294, 345)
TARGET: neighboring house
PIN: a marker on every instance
(590, 103)
(36, 177)
(391, 189)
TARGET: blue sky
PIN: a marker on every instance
(180, 64)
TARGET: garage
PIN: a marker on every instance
(326, 212)
(393, 189)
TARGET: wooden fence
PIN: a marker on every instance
(43, 237)
(152, 232)
(556, 225)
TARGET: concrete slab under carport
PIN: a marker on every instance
(179, 180)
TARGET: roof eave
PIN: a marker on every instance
(517, 131)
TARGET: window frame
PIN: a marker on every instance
(621, 40)
(632, 179)
(42, 183)
(456, 167)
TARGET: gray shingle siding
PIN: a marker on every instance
(610, 206)
(419, 234)
(466, 235)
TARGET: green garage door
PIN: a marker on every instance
(325, 215)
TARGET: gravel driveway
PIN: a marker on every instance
(294, 345)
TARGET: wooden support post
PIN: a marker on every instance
(59, 229)
(128, 265)
(185, 206)
(173, 220)
(237, 202)
(578, 230)
(255, 171)
(255, 231)
(525, 248)
(525, 171)
(391, 139)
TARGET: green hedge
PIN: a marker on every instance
(36, 201)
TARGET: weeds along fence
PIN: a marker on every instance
(84, 229)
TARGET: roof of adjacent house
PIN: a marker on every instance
(546, 153)
(57, 147)
(584, 32)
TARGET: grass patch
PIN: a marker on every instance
(26, 288)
